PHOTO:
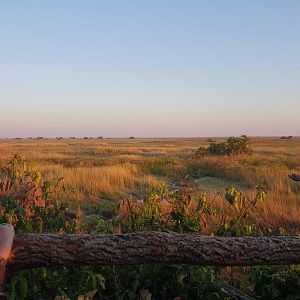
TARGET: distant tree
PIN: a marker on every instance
(100, 137)
(131, 137)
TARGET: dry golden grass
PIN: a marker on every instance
(117, 168)
(96, 182)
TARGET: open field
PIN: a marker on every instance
(139, 186)
(101, 171)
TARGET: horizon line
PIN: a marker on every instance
(139, 137)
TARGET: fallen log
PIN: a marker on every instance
(38, 250)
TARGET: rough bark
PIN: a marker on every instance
(37, 250)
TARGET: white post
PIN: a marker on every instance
(7, 234)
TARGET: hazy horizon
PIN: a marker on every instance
(159, 69)
(139, 137)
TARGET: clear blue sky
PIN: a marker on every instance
(149, 68)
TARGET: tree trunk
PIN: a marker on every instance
(37, 250)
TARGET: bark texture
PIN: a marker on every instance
(37, 250)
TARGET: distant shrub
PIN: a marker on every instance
(239, 145)
(233, 146)
(286, 137)
(201, 152)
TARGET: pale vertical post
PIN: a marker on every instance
(7, 234)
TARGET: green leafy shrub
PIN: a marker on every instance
(243, 207)
(164, 211)
(183, 212)
(276, 282)
(33, 205)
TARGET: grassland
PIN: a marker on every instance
(102, 171)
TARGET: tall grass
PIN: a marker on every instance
(96, 182)
(114, 168)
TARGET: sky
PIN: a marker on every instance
(160, 68)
